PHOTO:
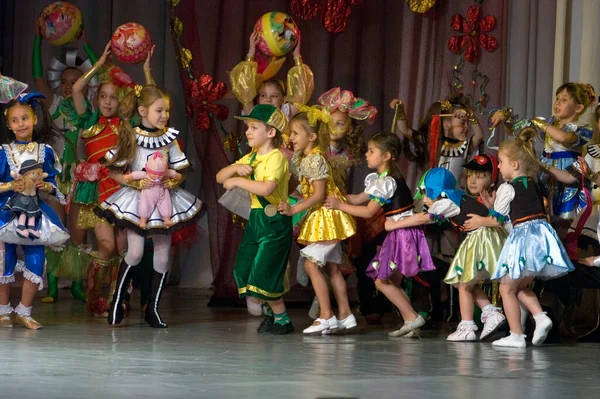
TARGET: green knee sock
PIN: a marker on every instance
(281, 318)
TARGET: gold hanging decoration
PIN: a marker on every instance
(176, 27)
(420, 6)
(185, 57)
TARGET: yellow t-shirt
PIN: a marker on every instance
(269, 167)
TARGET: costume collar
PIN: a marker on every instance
(155, 139)
(522, 179)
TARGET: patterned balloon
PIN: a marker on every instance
(131, 43)
(60, 23)
(278, 34)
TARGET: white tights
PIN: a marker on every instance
(162, 250)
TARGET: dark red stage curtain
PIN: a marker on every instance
(386, 51)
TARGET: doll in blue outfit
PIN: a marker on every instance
(26, 146)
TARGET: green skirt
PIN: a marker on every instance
(86, 193)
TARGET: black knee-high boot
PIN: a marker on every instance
(159, 281)
(116, 313)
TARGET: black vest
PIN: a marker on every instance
(528, 203)
(401, 201)
(468, 204)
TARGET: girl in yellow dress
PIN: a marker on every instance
(322, 229)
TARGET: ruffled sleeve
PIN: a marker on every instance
(444, 209)
(177, 159)
(583, 132)
(300, 83)
(504, 196)
(314, 167)
(380, 189)
(243, 79)
(295, 165)
(5, 176)
(51, 165)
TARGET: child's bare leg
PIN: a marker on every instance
(398, 297)
(320, 287)
(338, 285)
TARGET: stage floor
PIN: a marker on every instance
(216, 353)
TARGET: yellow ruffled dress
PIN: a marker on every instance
(320, 223)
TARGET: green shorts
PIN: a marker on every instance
(262, 257)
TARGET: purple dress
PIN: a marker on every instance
(404, 250)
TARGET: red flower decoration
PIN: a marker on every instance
(335, 13)
(203, 93)
(475, 30)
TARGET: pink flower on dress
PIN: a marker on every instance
(87, 171)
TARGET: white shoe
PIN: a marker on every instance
(347, 323)
(512, 341)
(491, 322)
(324, 325)
(408, 327)
(464, 332)
(543, 325)
(315, 309)
(255, 309)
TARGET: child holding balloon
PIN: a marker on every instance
(92, 181)
(252, 80)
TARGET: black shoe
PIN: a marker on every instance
(159, 280)
(280, 329)
(116, 313)
(265, 324)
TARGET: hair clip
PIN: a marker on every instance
(32, 99)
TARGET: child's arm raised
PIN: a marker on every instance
(79, 86)
(401, 122)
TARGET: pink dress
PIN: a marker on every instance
(154, 197)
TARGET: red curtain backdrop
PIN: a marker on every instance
(386, 51)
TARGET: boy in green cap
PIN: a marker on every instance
(262, 257)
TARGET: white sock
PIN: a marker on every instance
(467, 322)
(541, 315)
(488, 308)
(22, 310)
(6, 309)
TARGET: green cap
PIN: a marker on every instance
(267, 113)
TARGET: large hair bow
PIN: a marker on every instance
(315, 114)
(344, 101)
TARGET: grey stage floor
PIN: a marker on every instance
(216, 353)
